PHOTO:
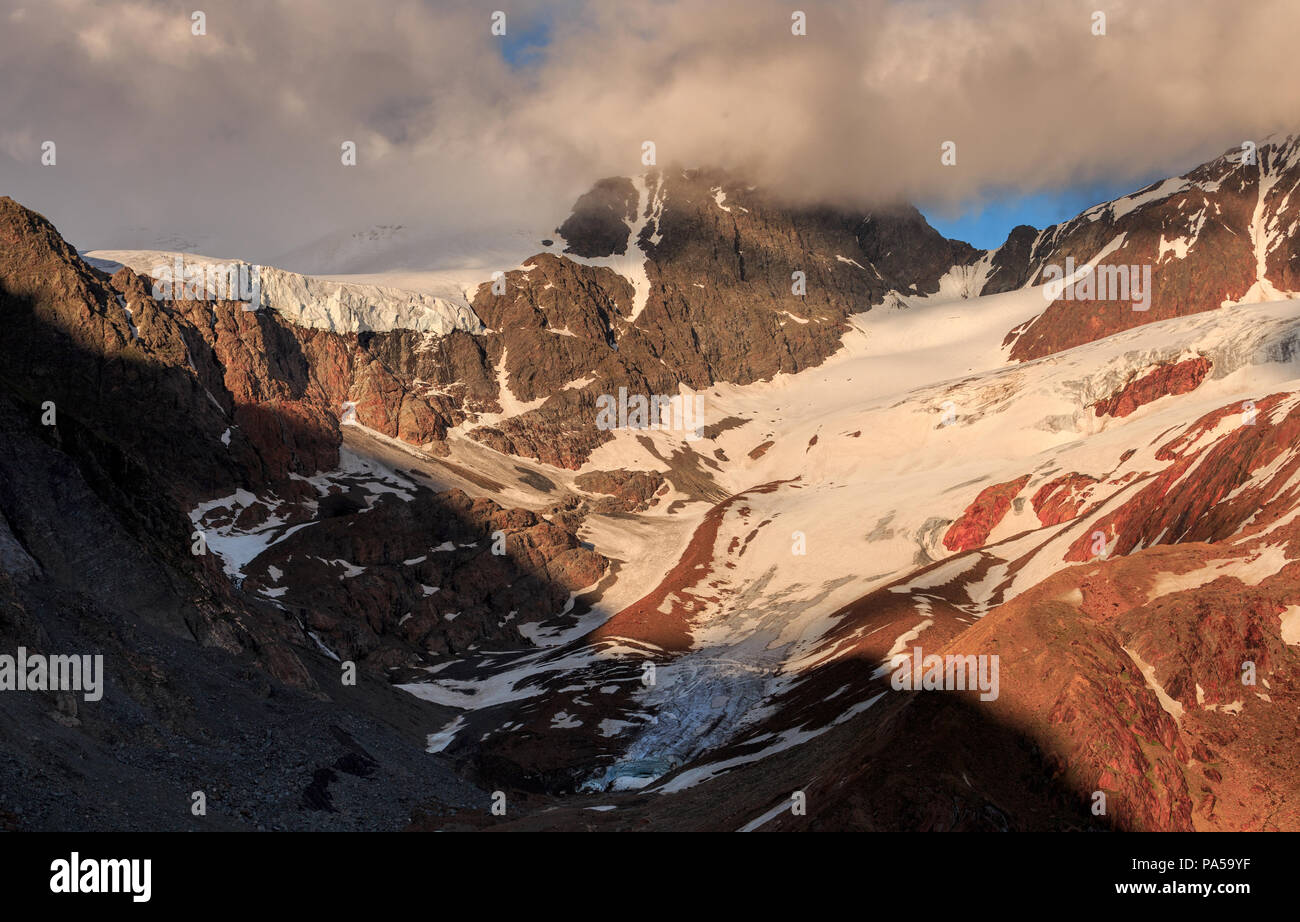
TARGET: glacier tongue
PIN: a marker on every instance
(330, 304)
(348, 307)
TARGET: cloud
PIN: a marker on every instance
(233, 138)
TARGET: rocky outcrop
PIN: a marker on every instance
(974, 525)
(1222, 497)
(630, 491)
(389, 580)
(1063, 498)
(902, 246)
(1010, 265)
(1165, 380)
(109, 374)
(599, 222)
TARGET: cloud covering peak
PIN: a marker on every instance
(230, 141)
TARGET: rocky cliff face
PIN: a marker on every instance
(124, 416)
